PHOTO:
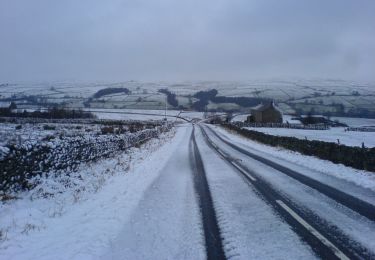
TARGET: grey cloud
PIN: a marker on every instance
(180, 40)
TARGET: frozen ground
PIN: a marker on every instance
(82, 221)
(242, 215)
(349, 138)
(144, 114)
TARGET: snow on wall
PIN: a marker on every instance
(78, 216)
(20, 162)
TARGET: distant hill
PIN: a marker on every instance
(327, 97)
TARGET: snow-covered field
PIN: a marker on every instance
(356, 122)
(143, 114)
(279, 89)
(81, 220)
(321, 93)
(349, 138)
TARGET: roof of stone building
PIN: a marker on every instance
(262, 107)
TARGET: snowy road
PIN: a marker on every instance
(207, 194)
(166, 222)
(333, 222)
(218, 199)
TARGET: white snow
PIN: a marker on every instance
(290, 119)
(166, 222)
(249, 226)
(355, 122)
(239, 118)
(349, 138)
(82, 220)
(142, 205)
(350, 223)
(314, 167)
(143, 114)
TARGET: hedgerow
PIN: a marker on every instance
(357, 157)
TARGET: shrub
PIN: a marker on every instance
(107, 130)
(109, 91)
(49, 127)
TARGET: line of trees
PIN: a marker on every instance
(171, 97)
(211, 95)
(109, 91)
(53, 113)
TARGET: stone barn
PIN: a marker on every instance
(265, 113)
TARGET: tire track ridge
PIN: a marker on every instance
(361, 207)
(351, 249)
(213, 238)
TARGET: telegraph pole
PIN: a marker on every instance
(165, 112)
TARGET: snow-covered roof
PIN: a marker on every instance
(263, 107)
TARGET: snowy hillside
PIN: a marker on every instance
(323, 96)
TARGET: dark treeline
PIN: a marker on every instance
(29, 99)
(109, 91)
(53, 113)
(356, 157)
(211, 95)
(353, 112)
(206, 95)
(241, 101)
(171, 97)
(313, 120)
(338, 110)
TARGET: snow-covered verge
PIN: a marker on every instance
(314, 167)
(78, 216)
(332, 135)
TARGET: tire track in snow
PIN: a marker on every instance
(228, 243)
(361, 207)
(213, 239)
(305, 223)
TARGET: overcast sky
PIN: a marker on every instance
(117, 40)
